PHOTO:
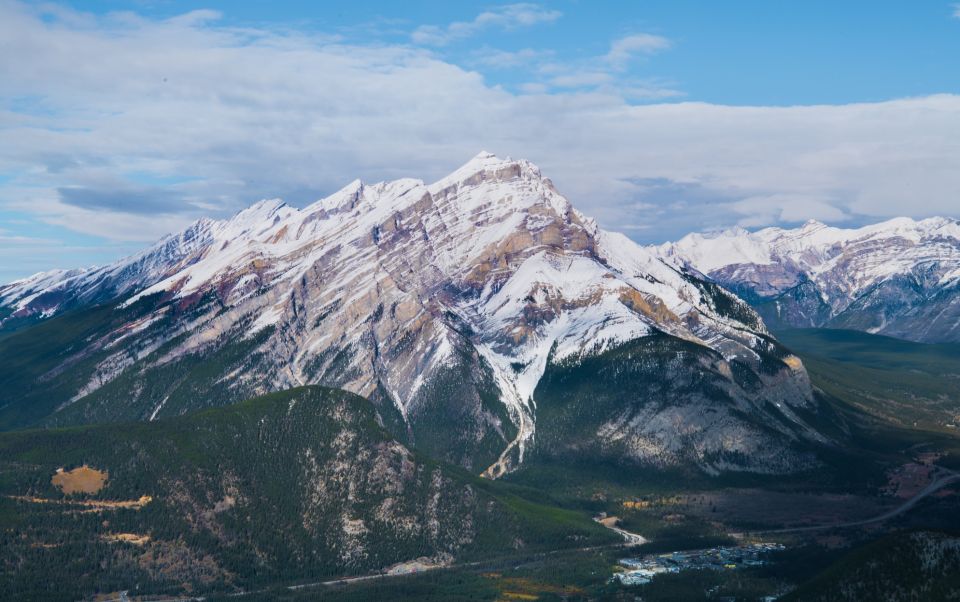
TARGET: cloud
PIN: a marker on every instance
(956, 11)
(625, 49)
(648, 90)
(138, 201)
(14, 241)
(763, 210)
(493, 58)
(581, 79)
(192, 117)
(608, 73)
(534, 88)
(508, 17)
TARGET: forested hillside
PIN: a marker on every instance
(302, 484)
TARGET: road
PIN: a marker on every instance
(611, 522)
(937, 484)
(630, 539)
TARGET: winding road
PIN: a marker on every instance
(629, 540)
(936, 485)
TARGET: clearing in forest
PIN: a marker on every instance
(82, 479)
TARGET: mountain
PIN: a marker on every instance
(45, 294)
(899, 278)
(471, 311)
(920, 565)
(301, 484)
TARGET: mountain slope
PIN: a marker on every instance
(444, 304)
(301, 484)
(905, 566)
(899, 278)
(905, 383)
(48, 293)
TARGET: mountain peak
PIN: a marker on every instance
(503, 168)
(732, 232)
(262, 209)
(484, 160)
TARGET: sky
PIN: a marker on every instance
(121, 121)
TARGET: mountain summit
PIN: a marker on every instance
(467, 310)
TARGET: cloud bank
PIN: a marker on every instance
(127, 128)
(511, 16)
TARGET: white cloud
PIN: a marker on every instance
(534, 88)
(763, 210)
(956, 11)
(229, 116)
(648, 90)
(581, 79)
(510, 16)
(607, 73)
(17, 241)
(493, 58)
(625, 49)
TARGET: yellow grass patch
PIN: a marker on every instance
(610, 521)
(793, 361)
(83, 479)
(134, 538)
(91, 505)
(521, 588)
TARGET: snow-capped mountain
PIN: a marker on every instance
(48, 293)
(445, 304)
(900, 277)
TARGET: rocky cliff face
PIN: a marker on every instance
(899, 278)
(443, 303)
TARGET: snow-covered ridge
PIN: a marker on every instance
(889, 277)
(710, 251)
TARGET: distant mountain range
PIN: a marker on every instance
(899, 278)
(484, 316)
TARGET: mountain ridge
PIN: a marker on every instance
(899, 277)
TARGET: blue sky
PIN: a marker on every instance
(753, 52)
(121, 121)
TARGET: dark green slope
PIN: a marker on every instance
(43, 366)
(900, 567)
(296, 485)
(865, 394)
(44, 369)
(901, 382)
(458, 416)
(662, 402)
